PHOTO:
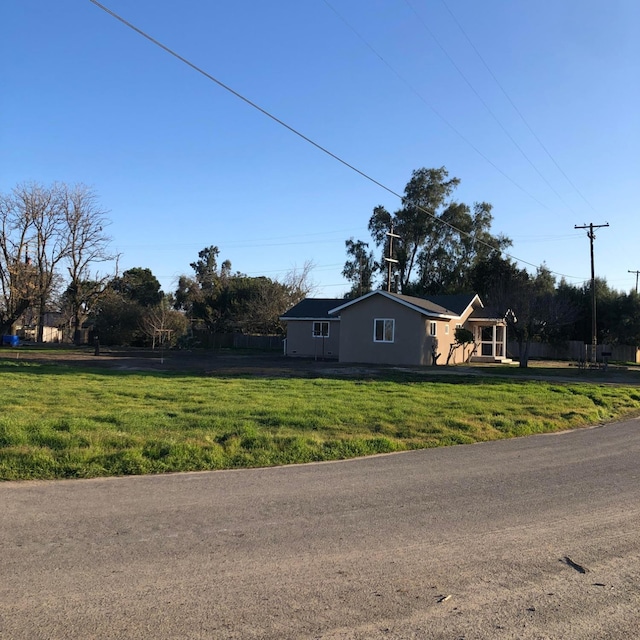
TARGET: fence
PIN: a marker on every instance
(237, 341)
(576, 350)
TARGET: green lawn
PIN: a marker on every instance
(59, 422)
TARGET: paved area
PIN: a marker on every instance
(525, 538)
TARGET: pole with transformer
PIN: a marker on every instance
(594, 335)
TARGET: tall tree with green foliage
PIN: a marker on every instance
(118, 316)
(440, 240)
(226, 302)
(359, 269)
(529, 303)
(138, 285)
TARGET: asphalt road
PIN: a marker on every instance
(528, 538)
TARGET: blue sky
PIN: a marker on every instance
(387, 85)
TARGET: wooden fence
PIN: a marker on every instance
(575, 350)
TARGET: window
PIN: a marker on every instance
(486, 334)
(433, 328)
(383, 329)
(446, 329)
(320, 329)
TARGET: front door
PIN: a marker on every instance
(487, 341)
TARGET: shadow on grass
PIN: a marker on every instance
(238, 365)
(239, 372)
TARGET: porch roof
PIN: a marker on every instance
(485, 314)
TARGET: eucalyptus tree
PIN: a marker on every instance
(416, 222)
(360, 267)
(439, 240)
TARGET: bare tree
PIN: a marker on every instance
(163, 324)
(40, 228)
(17, 275)
(84, 222)
(41, 206)
(299, 283)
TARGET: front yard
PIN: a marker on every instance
(59, 420)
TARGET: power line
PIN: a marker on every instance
(508, 97)
(485, 105)
(430, 106)
(307, 139)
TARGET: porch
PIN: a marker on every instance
(491, 343)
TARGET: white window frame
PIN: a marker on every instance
(319, 333)
(446, 329)
(433, 328)
(384, 330)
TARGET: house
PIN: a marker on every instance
(311, 330)
(390, 328)
(51, 328)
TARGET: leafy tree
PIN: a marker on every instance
(118, 315)
(628, 319)
(138, 285)
(117, 319)
(359, 268)
(466, 241)
(207, 274)
(530, 304)
(463, 338)
(617, 314)
(440, 239)
(226, 302)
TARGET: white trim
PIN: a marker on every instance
(384, 327)
(321, 334)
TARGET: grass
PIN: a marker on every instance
(59, 422)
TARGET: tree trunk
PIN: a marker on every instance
(77, 331)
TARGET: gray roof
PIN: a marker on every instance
(456, 303)
(486, 314)
(444, 305)
(313, 309)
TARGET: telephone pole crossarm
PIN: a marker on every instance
(390, 259)
(636, 272)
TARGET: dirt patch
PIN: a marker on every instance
(225, 362)
(197, 361)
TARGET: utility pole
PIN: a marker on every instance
(594, 334)
(389, 259)
(636, 272)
